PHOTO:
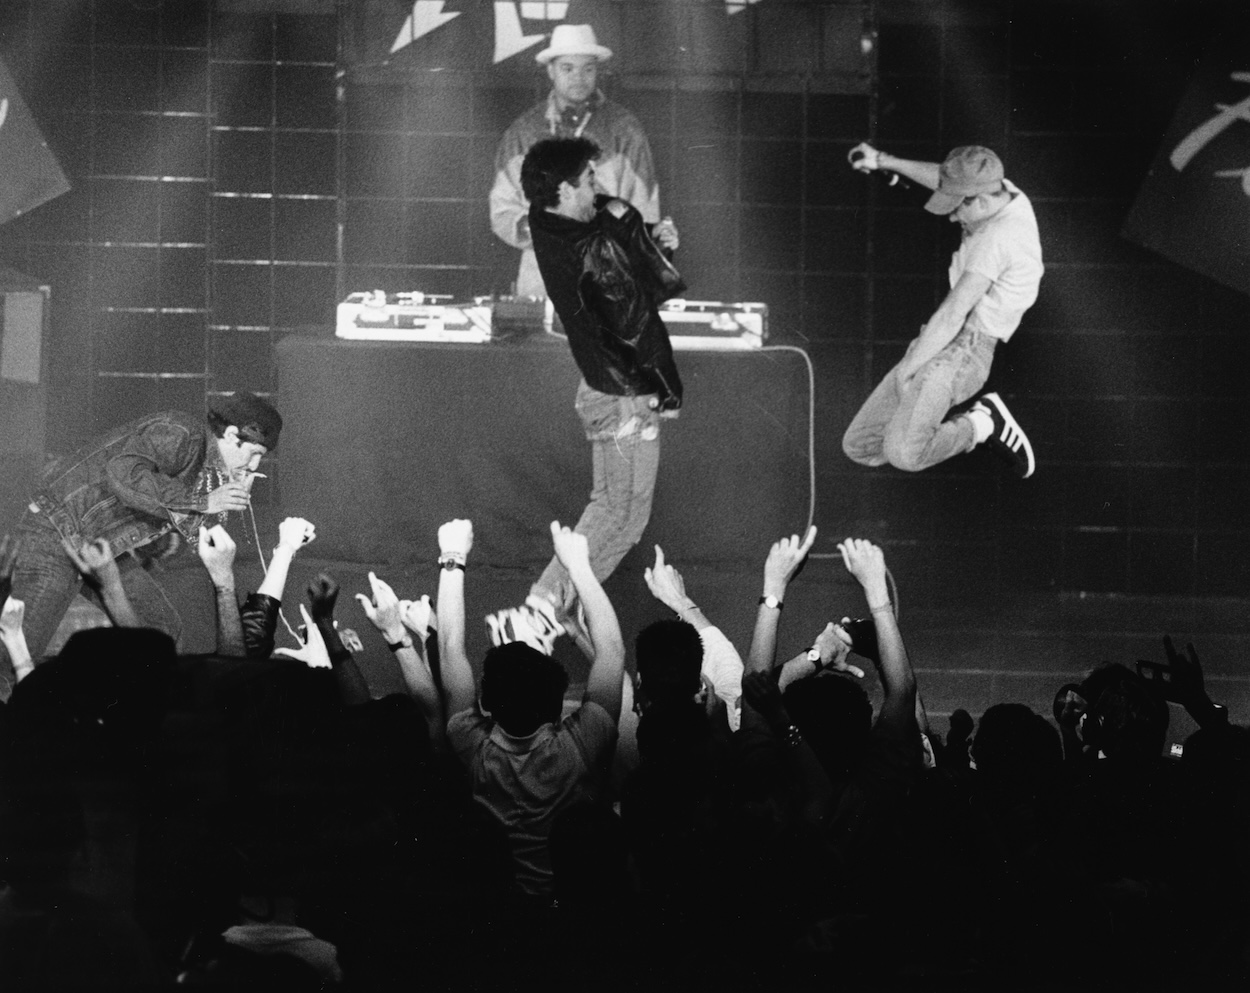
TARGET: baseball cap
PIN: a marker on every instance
(256, 419)
(968, 171)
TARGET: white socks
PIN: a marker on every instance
(982, 424)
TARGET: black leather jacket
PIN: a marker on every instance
(606, 279)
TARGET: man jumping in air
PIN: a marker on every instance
(918, 415)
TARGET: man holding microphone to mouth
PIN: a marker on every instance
(137, 492)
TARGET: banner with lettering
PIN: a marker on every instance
(436, 35)
(1194, 207)
(29, 172)
(383, 37)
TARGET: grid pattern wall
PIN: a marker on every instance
(223, 196)
(1123, 372)
(201, 146)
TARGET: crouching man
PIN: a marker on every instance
(137, 493)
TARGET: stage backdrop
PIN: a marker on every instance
(384, 442)
(1194, 207)
(696, 37)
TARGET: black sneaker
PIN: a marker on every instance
(1007, 438)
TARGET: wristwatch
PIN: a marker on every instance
(813, 655)
(771, 602)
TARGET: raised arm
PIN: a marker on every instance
(94, 560)
(865, 158)
(385, 612)
(722, 665)
(12, 617)
(455, 540)
(866, 562)
(784, 560)
(293, 534)
(217, 551)
(323, 594)
(603, 684)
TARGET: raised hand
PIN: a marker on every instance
(12, 617)
(666, 584)
(295, 532)
(312, 652)
(217, 550)
(418, 616)
(9, 547)
(834, 647)
(784, 561)
(383, 609)
(865, 561)
(323, 594)
(570, 547)
(94, 560)
(864, 158)
(230, 496)
(455, 538)
(1188, 687)
(666, 234)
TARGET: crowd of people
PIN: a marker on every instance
(701, 818)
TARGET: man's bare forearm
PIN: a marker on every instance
(229, 624)
(118, 606)
(927, 174)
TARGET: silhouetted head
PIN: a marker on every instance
(522, 689)
(669, 657)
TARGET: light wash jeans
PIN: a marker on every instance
(903, 424)
(624, 435)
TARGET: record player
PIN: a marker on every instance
(713, 325)
(415, 316)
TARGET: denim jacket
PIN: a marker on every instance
(132, 485)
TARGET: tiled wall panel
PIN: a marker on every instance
(223, 197)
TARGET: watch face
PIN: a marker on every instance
(813, 655)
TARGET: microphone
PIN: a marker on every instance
(857, 155)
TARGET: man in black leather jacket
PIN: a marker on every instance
(143, 488)
(606, 277)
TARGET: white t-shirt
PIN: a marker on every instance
(1006, 250)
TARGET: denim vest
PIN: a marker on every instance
(132, 485)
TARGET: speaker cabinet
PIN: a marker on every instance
(23, 390)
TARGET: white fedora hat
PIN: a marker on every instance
(573, 39)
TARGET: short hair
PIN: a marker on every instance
(834, 715)
(669, 657)
(522, 688)
(551, 162)
(1016, 747)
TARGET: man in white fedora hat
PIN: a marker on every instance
(575, 108)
